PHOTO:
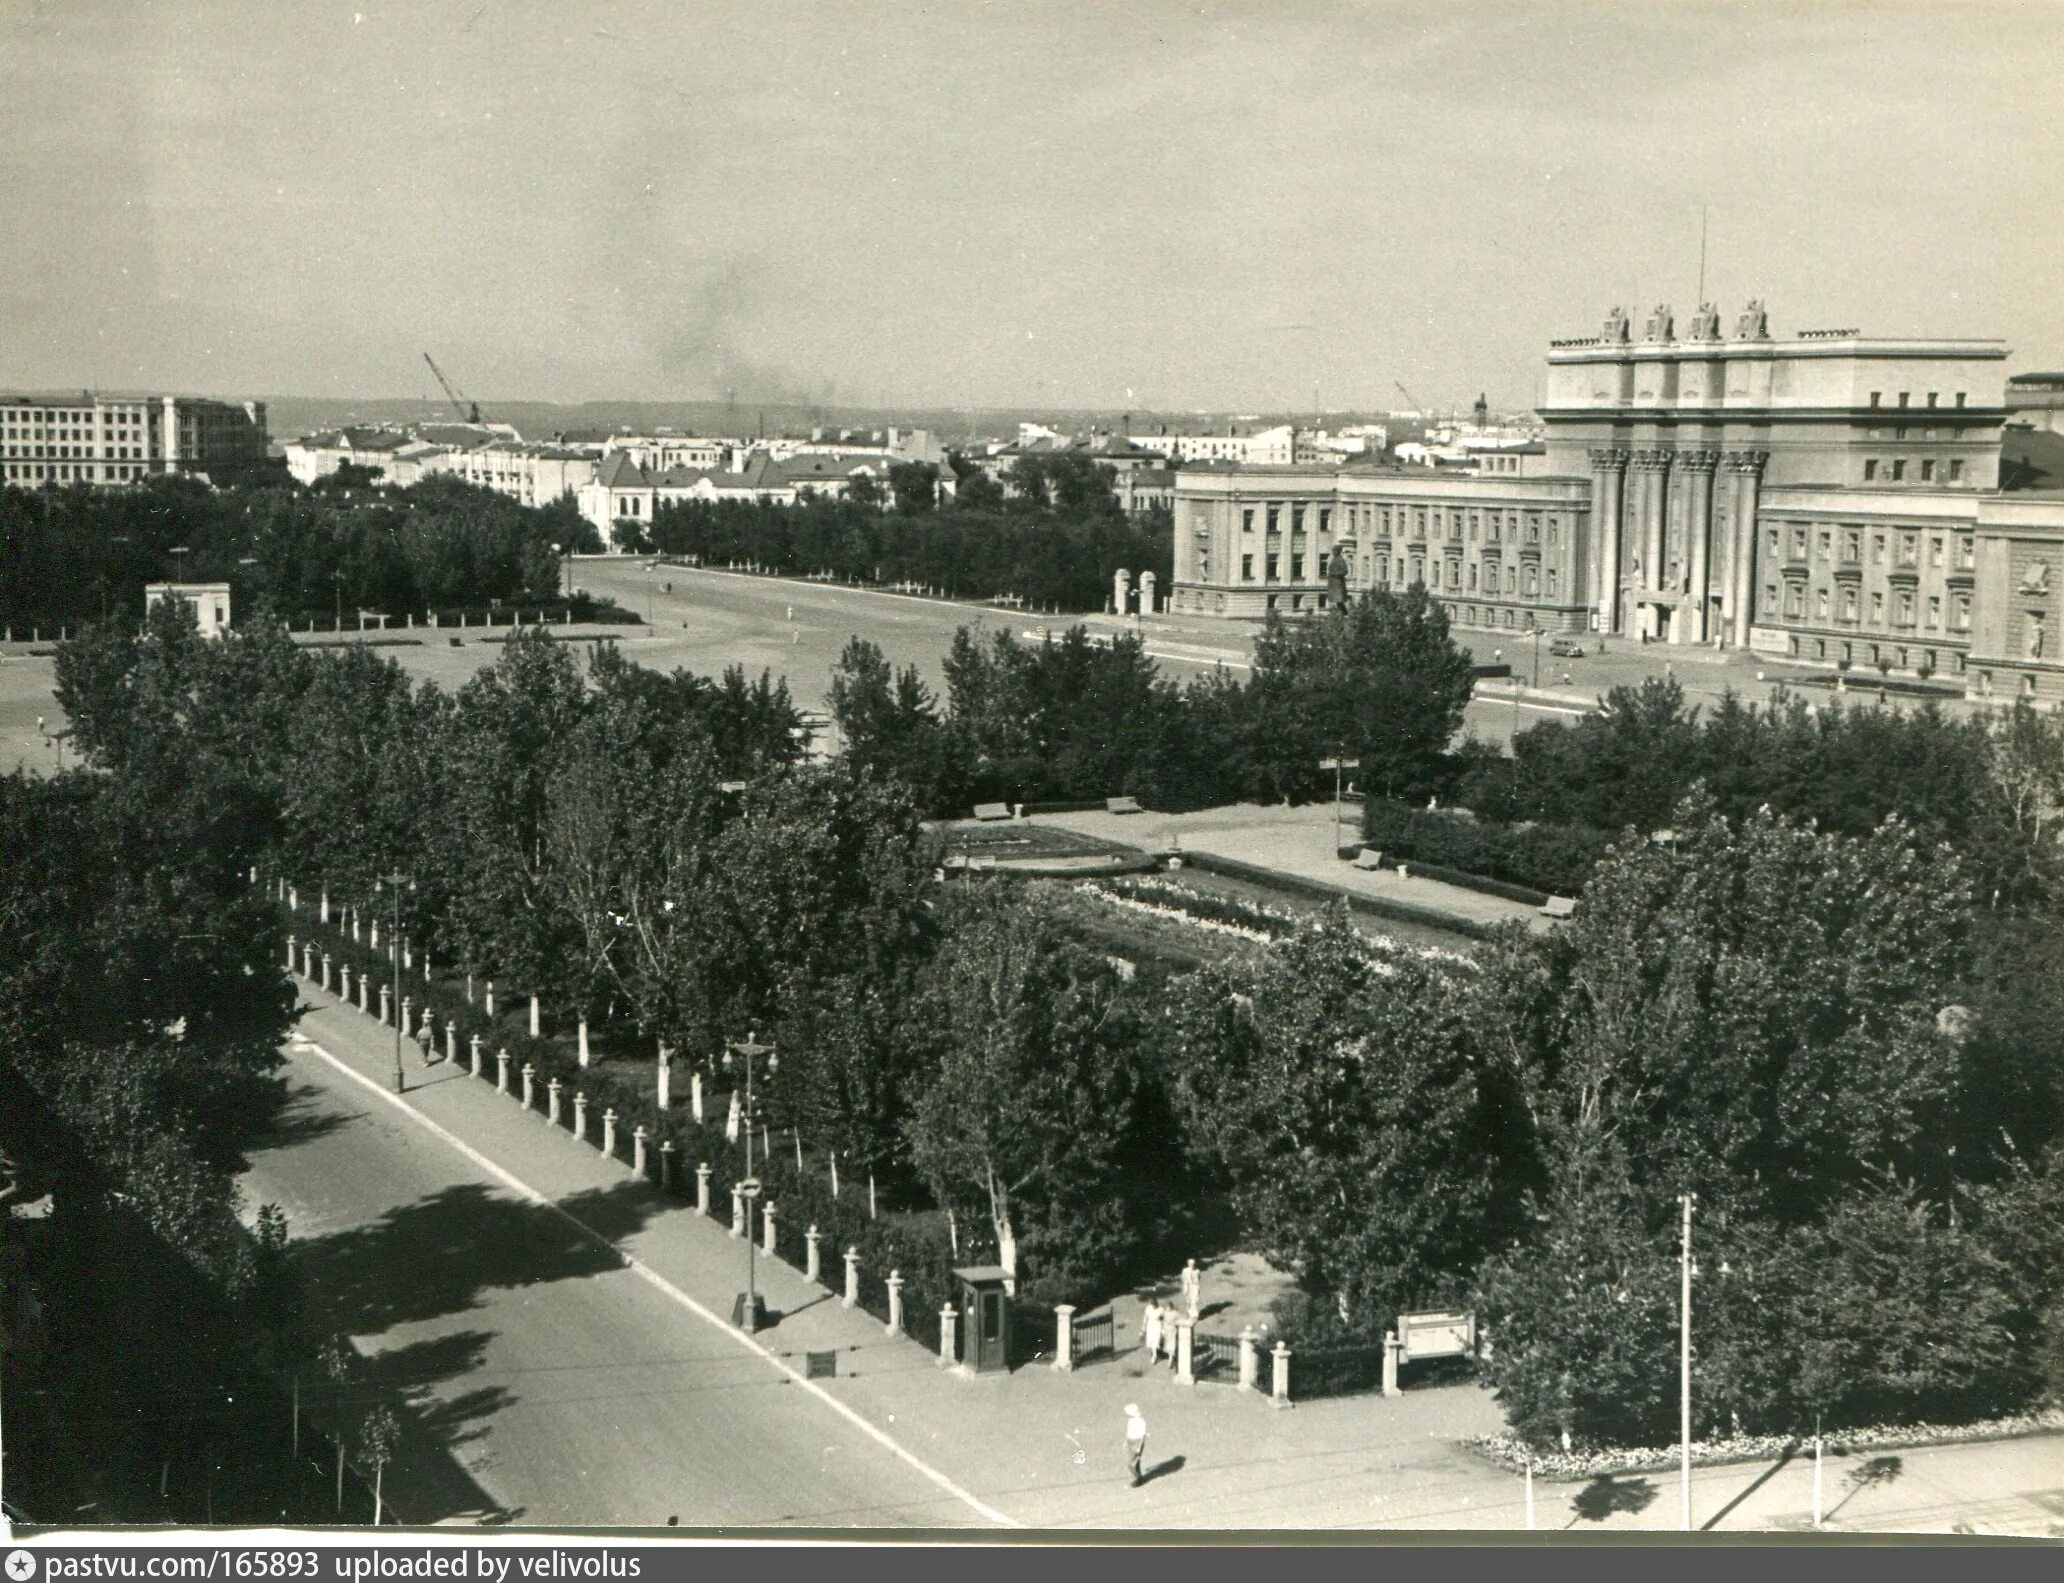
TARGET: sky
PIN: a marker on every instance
(1123, 204)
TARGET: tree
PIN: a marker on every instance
(1359, 1134)
(1027, 1089)
(1747, 1016)
(378, 1438)
(1379, 679)
(977, 491)
(511, 722)
(887, 721)
(915, 487)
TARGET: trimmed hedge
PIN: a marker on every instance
(1557, 859)
(1464, 880)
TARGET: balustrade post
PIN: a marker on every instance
(851, 1299)
(1064, 1337)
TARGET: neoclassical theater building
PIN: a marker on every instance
(1829, 499)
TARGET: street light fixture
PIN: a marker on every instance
(394, 883)
(745, 1054)
(178, 552)
(1686, 1269)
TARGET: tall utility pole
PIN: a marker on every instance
(1684, 1357)
(394, 882)
(749, 1189)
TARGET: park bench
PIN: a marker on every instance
(1122, 805)
(1368, 857)
(987, 811)
(1559, 907)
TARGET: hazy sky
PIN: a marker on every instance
(1127, 202)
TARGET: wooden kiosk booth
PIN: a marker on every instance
(985, 1307)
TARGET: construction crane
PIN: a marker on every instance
(1414, 400)
(468, 411)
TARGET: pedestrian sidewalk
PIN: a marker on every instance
(1299, 841)
(1046, 1449)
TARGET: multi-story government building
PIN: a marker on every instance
(1831, 499)
(103, 439)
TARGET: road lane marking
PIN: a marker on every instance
(661, 1284)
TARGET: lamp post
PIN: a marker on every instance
(1684, 1359)
(746, 1055)
(559, 567)
(178, 554)
(337, 600)
(394, 883)
(1537, 657)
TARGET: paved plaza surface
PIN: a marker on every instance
(1294, 840)
(556, 1330)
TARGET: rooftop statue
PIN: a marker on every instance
(1754, 324)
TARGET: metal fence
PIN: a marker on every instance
(1335, 1371)
(1215, 1357)
(1096, 1336)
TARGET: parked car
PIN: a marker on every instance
(1567, 648)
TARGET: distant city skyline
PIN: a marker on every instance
(1126, 205)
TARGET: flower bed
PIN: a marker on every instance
(1253, 921)
(1514, 1454)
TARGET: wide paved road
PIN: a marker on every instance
(706, 620)
(545, 1382)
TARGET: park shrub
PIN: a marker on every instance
(1556, 859)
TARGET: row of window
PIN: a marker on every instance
(1849, 608)
(1525, 580)
(1492, 525)
(73, 472)
(1907, 548)
(57, 452)
(1893, 469)
(1879, 655)
(1906, 398)
(69, 415)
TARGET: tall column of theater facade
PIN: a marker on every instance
(1744, 477)
(1608, 477)
(1644, 531)
(1694, 480)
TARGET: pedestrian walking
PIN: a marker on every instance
(1192, 1288)
(1150, 1330)
(1135, 1443)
